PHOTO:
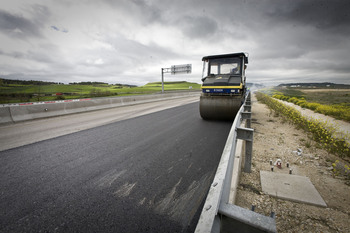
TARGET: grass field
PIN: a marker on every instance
(328, 96)
(332, 102)
(320, 131)
(14, 93)
(318, 95)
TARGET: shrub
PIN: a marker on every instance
(322, 132)
(341, 169)
(340, 111)
(60, 97)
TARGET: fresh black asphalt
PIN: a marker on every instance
(145, 174)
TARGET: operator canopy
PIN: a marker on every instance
(231, 64)
(225, 66)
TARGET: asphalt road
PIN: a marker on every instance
(23, 133)
(145, 174)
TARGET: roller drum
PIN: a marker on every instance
(220, 107)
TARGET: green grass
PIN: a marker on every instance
(327, 96)
(321, 132)
(290, 92)
(14, 93)
(335, 103)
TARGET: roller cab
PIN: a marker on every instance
(224, 86)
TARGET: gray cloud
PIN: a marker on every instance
(146, 12)
(321, 14)
(198, 27)
(20, 27)
(17, 26)
(53, 27)
(13, 54)
(129, 41)
(41, 57)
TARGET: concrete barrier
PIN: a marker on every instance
(29, 111)
(5, 115)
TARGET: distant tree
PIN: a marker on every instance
(25, 82)
(88, 83)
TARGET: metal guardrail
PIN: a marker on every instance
(218, 215)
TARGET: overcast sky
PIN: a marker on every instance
(129, 41)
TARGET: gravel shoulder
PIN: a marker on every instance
(276, 139)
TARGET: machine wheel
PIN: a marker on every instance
(220, 107)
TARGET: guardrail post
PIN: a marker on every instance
(249, 96)
(238, 219)
(247, 108)
(248, 158)
(247, 116)
(247, 135)
(248, 100)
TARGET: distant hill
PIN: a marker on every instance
(315, 85)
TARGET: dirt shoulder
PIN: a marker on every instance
(342, 127)
(276, 139)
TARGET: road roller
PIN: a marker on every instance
(224, 86)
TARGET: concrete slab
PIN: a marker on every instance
(290, 187)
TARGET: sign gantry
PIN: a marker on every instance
(175, 69)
